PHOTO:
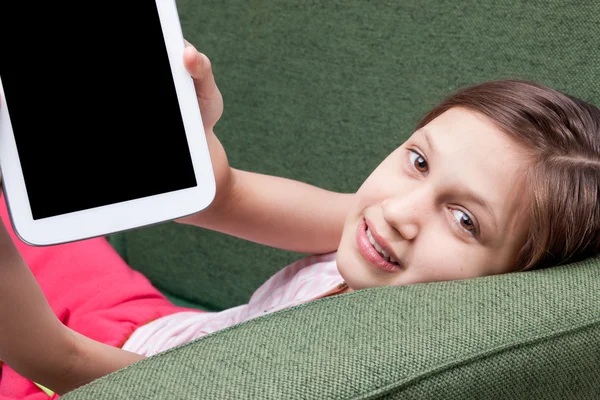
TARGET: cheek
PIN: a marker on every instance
(446, 260)
(369, 194)
(381, 184)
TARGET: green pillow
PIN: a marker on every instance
(528, 335)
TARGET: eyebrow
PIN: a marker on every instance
(430, 143)
(464, 190)
(482, 203)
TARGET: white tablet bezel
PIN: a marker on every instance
(127, 215)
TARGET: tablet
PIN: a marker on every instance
(100, 129)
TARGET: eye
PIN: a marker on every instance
(465, 221)
(418, 162)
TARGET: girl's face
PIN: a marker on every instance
(447, 204)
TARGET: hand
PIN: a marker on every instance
(211, 108)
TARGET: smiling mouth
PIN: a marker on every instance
(386, 256)
(372, 252)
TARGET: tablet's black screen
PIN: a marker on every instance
(92, 103)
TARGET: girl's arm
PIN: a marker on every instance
(35, 343)
(278, 212)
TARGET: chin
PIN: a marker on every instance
(352, 270)
(352, 267)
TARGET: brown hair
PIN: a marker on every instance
(562, 134)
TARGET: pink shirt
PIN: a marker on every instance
(305, 280)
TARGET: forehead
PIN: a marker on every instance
(459, 129)
(476, 140)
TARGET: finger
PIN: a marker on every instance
(199, 67)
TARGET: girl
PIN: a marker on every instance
(500, 177)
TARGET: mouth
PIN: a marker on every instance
(382, 252)
(373, 251)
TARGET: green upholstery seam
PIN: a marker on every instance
(473, 359)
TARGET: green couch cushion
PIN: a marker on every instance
(531, 335)
(322, 91)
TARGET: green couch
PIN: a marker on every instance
(322, 91)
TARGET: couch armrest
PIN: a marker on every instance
(531, 335)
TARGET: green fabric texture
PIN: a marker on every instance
(322, 91)
(532, 335)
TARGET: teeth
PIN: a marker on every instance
(378, 247)
(386, 256)
(370, 236)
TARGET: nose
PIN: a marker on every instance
(405, 214)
